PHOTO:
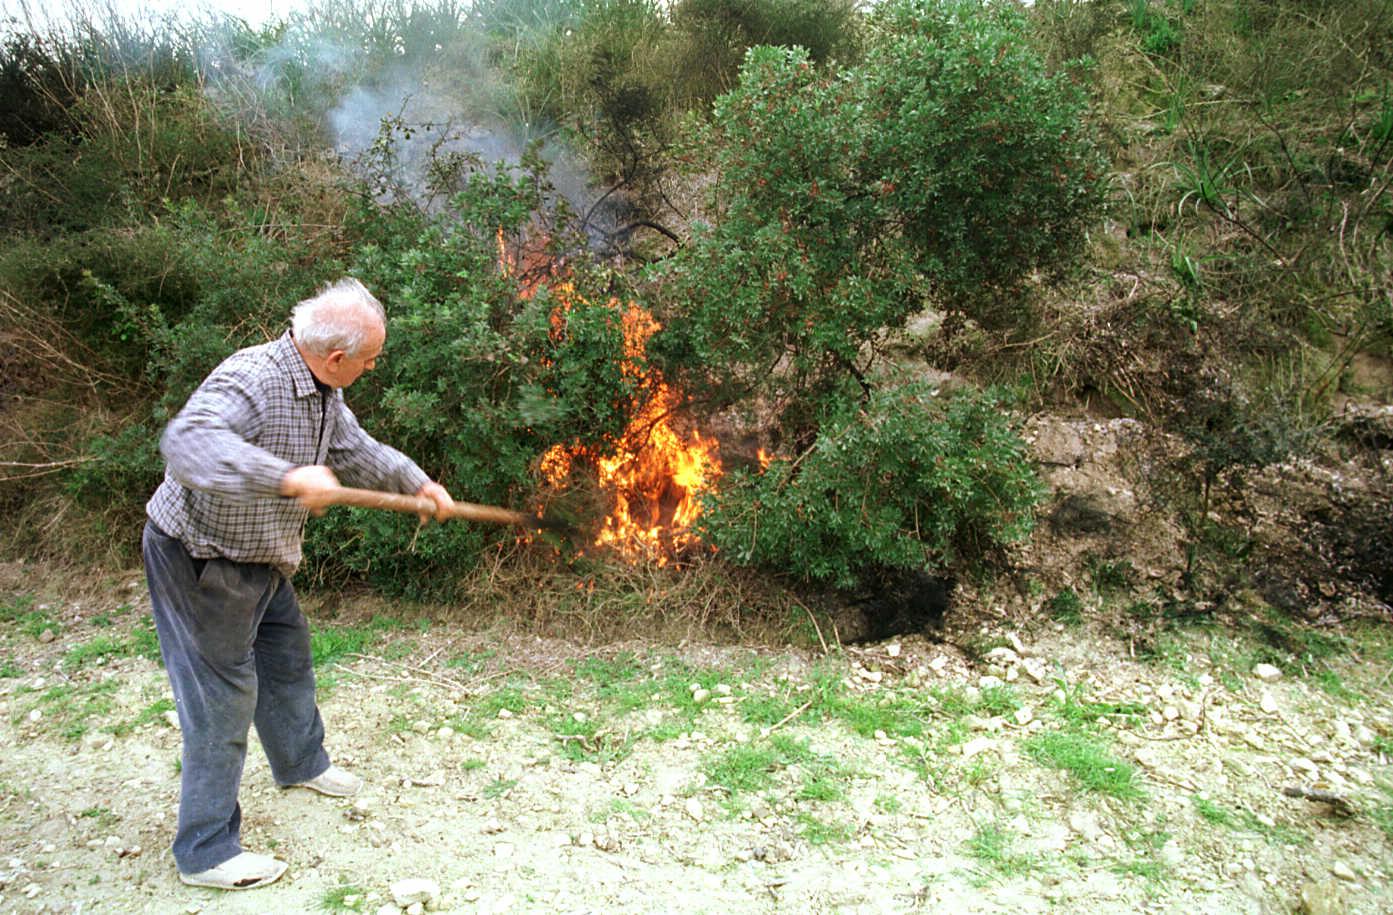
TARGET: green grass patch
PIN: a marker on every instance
(1247, 821)
(743, 767)
(29, 619)
(472, 764)
(1077, 710)
(68, 709)
(499, 787)
(344, 898)
(101, 817)
(990, 847)
(1066, 607)
(472, 662)
(1087, 761)
(331, 644)
(816, 831)
(95, 651)
(9, 670)
(148, 715)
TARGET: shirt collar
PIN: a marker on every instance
(289, 357)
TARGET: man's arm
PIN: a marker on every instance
(361, 460)
(207, 446)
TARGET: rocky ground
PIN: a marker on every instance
(1040, 769)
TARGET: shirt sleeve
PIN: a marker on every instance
(208, 445)
(360, 460)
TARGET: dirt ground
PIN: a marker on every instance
(522, 774)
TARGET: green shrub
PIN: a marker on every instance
(910, 481)
(946, 168)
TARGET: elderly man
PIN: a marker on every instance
(260, 445)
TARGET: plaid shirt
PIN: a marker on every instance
(256, 417)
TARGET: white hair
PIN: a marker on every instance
(337, 317)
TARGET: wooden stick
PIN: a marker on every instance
(419, 505)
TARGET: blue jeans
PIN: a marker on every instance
(237, 650)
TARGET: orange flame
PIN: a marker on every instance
(653, 474)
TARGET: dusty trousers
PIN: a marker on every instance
(237, 651)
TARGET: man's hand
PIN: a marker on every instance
(440, 496)
(312, 485)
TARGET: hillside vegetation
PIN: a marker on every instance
(874, 240)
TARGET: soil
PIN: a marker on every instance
(481, 776)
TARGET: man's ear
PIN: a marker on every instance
(334, 360)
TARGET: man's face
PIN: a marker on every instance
(348, 369)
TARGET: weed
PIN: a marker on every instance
(472, 764)
(510, 698)
(1247, 821)
(103, 817)
(743, 767)
(71, 708)
(1077, 711)
(32, 621)
(9, 670)
(990, 847)
(820, 788)
(342, 898)
(766, 710)
(151, 713)
(822, 832)
(471, 662)
(400, 649)
(97, 651)
(1215, 813)
(145, 642)
(499, 787)
(1066, 607)
(1110, 576)
(328, 645)
(1330, 682)
(888, 803)
(1087, 761)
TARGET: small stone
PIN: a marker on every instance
(694, 809)
(893, 649)
(1304, 765)
(171, 718)
(721, 689)
(388, 909)
(989, 682)
(505, 713)
(1268, 704)
(938, 663)
(1003, 655)
(413, 890)
(1170, 713)
(1342, 870)
(700, 695)
(503, 850)
(492, 826)
(1322, 898)
(47, 636)
(445, 733)
(1035, 669)
(1023, 716)
(1267, 672)
(416, 908)
(977, 746)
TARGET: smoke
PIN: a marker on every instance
(430, 92)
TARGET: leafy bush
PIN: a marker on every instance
(912, 481)
(945, 168)
(482, 373)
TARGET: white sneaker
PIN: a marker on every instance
(246, 871)
(334, 782)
